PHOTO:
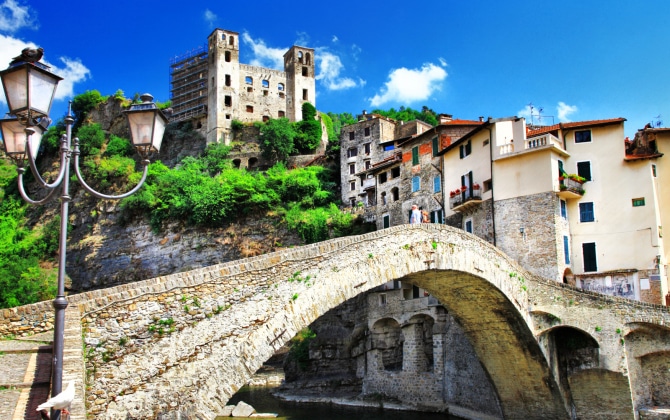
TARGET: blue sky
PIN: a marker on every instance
(574, 60)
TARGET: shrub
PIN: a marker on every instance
(119, 146)
(91, 139)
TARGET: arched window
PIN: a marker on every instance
(300, 56)
(266, 84)
(249, 80)
(395, 193)
(308, 59)
(280, 87)
(231, 40)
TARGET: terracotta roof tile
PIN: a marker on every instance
(576, 124)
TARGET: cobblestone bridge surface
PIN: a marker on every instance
(184, 343)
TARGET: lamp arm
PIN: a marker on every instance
(64, 161)
(145, 163)
(50, 196)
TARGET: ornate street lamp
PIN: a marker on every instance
(29, 88)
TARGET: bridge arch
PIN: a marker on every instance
(188, 341)
(202, 364)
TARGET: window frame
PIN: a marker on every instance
(579, 133)
(566, 249)
(416, 183)
(564, 209)
(415, 155)
(437, 184)
(590, 263)
(584, 170)
(435, 145)
(638, 202)
(584, 212)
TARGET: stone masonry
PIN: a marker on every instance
(183, 344)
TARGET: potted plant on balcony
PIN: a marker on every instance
(577, 178)
(476, 187)
(453, 194)
(463, 188)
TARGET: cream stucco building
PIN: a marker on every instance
(574, 201)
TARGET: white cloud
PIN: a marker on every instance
(330, 66)
(210, 18)
(73, 71)
(265, 56)
(14, 17)
(564, 110)
(525, 113)
(335, 38)
(406, 86)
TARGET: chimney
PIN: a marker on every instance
(444, 118)
(481, 119)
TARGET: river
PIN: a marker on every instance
(264, 402)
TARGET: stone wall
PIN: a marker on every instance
(526, 231)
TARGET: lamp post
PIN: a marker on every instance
(29, 88)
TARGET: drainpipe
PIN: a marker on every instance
(493, 207)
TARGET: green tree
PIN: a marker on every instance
(83, 104)
(308, 131)
(118, 146)
(277, 137)
(91, 138)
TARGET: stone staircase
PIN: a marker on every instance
(25, 376)
(25, 371)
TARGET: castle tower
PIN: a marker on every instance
(224, 84)
(300, 82)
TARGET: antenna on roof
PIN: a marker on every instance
(656, 122)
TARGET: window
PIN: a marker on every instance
(228, 116)
(281, 95)
(228, 100)
(395, 193)
(487, 185)
(352, 168)
(653, 170)
(352, 202)
(638, 202)
(589, 255)
(367, 164)
(387, 221)
(389, 147)
(415, 155)
(584, 170)
(281, 114)
(395, 172)
(367, 148)
(280, 87)
(265, 83)
(305, 71)
(435, 147)
(465, 149)
(250, 108)
(352, 186)
(351, 135)
(367, 131)
(266, 118)
(304, 95)
(382, 299)
(564, 209)
(227, 56)
(249, 80)
(353, 152)
(566, 249)
(231, 40)
(437, 184)
(436, 216)
(416, 183)
(250, 89)
(583, 136)
(382, 178)
(265, 93)
(467, 226)
(227, 80)
(384, 198)
(586, 212)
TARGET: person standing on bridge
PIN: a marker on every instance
(415, 216)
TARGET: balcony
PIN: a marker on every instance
(465, 198)
(571, 188)
(532, 144)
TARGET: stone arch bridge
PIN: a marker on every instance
(188, 341)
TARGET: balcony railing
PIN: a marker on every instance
(546, 140)
(570, 188)
(463, 199)
(368, 183)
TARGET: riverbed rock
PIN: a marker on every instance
(227, 411)
(243, 409)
